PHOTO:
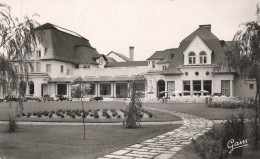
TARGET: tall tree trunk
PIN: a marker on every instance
(83, 119)
(257, 107)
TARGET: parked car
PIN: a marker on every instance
(96, 99)
(62, 97)
(32, 97)
(13, 98)
(47, 98)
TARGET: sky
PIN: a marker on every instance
(148, 25)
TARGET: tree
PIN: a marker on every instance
(134, 110)
(246, 59)
(17, 41)
(79, 89)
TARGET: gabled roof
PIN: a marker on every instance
(208, 38)
(68, 45)
(119, 55)
(110, 59)
(127, 64)
(163, 56)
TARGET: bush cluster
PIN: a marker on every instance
(232, 104)
(213, 144)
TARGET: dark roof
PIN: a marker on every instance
(163, 56)
(208, 38)
(119, 55)
(110, 59)
(69, 47)
(127, 64)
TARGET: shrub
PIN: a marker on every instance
(96, 116)
(50, 115)
(108, 116)
(23, 114)
(73, 115)
(84, 116)
(209, 146)
(39, 115)
(61, 115)
(234, 128)
(34, 114)
(29, 115)
(12, 124)
(213, 144)
(119, 116)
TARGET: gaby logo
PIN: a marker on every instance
(232, 145)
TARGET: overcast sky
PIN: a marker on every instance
(148, 25)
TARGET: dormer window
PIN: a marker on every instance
(153, 64)
(38, 53)
(203, 57)
(192, 58)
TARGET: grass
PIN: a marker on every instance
(56, 142)
(201, 110)
(49, 106)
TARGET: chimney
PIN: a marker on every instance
(208, 26)
(131, 53)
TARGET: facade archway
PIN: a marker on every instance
(160, 88)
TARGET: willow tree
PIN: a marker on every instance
(17, 41)
(246, 58)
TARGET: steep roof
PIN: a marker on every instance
(208, 38)
(127, 64)
(119, 55)
(69, 46)
(163, 56)
(110, 59)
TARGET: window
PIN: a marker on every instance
(203, 57)
(207, 86)
(153, 64)
(31, 87)
(61, 68)
(92, 89)
(48, 68)
(45, 51)
(251, 86)
(62, 89)
(225, 87)
(38, 53)
(38, 67)
(186, 85)
(171, 86)
(117, 90)
(105, 89)
(196, 85)
(192, 58)
(164, 68)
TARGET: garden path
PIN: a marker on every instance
(165, 146)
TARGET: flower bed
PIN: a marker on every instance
(90, 114)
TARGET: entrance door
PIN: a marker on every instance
(160, 88)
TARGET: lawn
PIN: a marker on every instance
(201, 110)
(54, 142)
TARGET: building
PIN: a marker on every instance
(196, 67)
